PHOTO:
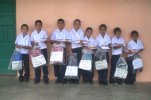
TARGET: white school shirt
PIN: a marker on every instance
(115, 41)
(132, 45)
(103, 41)
(23, 41)
(91, 41)
(40, 37)
(57, 35)
(76, 36)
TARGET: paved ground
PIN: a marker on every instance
(11, 89)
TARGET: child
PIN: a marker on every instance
(39, 38)
(103, 40)
(23, 43)
(60, 34)
(135, 46)
(91, 44)
(118, 44)
(76, 36)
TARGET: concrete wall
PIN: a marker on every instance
(127, 14)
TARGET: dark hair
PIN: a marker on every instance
(38, 21)
(24, 25)
(134, 33)
(89, 28)
(60, 20)
(103, 25)
(117, 29)
(77, 20)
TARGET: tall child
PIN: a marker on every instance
(60, 34)
(23, 44)
(118, 44)
(135, 46)
(103, 40)
(76, 36)
(39, 38)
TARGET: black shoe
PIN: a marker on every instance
(57, 81)
(26, 80)
(46, 82)
(105, 83)
(91, 82)
(64, 81)
(21, 78)
(100, 83)
(36, 82)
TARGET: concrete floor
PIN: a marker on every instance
(11, 89)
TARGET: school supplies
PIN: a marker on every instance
(100, 59)
(121, 69)
(86, 61)
(137, 62)
(15, 61)
(56, 56)
(37, 58)
(72, 67)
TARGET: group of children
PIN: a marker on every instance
(24, 42)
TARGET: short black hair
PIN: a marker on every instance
(89, 28)
(38, 21)
(117, 29)
(103, 25)
(24, 25)
(60, 20)
(134, 32)
(77, 20)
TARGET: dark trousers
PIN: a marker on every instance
(59, 70)
(114, 60)
(44, 69)
(102, 74)
(88, 75)
(25, 59)
(131, 76)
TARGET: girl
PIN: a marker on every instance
(118, 44)
(103, 41)
(39, 38)
(135, 46)
(76, 36)
(23, 44)
(60, 34)
(91, 44)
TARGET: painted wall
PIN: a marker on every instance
(127, 14)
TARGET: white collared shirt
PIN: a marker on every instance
(103, 41)
(23, 41)
(115, 42)
(57, 35)
(91, 42)
(75, 36)
(132, 45)
(40, 37)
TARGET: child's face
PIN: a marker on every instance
(76, 25)
(24, 30)
(118, 34)
(102, 30)
(89, 33)
(60, 24)
(134, 37)
(38, 26)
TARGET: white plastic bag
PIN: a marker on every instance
(100, 60)
(72, 67)
(121, 69)
(37, 58)
(86, 61)
(57, 55)
(137, 62)
(15, 61)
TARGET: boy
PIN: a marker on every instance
(39, 38)
(23, 44)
